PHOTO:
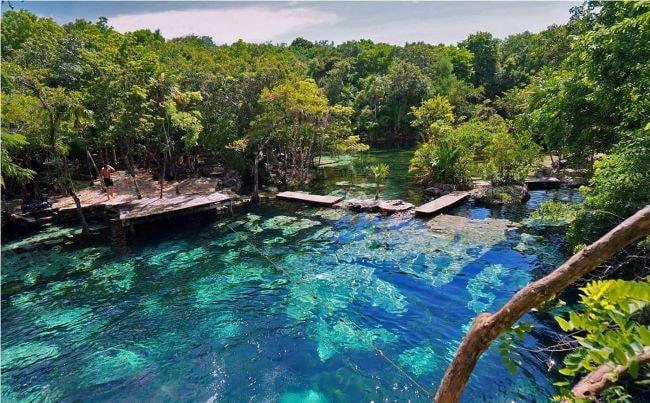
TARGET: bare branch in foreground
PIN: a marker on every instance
(488, 327)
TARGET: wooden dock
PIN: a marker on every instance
(441, 203)
(154, 207)
(309, 198)
(544, 183)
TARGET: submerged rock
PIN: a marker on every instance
(288, 225)
(26, 354)
(419, 360)
(345, 336)
(309, 396)
(488, 279)
(500, 194)
(486, 232)
(375, 206)
(112, 364)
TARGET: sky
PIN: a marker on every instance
(281, 22)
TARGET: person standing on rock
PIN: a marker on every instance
(106, 177)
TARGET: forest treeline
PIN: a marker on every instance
(138, 100)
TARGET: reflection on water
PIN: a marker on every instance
(350, 176)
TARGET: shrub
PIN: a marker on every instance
(607, 326)
(553, 212)
(618, 188)
(453, 154)
(432, 116)
(510, 157)
(440, 161)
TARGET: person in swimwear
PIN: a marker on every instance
(105, 172)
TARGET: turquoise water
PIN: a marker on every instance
(196, 314)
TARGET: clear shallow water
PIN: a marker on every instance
(198, 314)
(350, 177)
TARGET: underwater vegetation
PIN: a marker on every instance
(304, 305)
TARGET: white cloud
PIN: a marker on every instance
(226, 25)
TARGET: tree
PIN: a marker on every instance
(294, 125)
(432, 116)
(176, 124)
(614, 189)
(384, 101)
(57, 105)
(510, 157)
(485, 51)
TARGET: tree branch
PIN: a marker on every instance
(488, 327)
(592, 385)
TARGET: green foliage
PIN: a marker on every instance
(484, 49)
(600, 91)
(510, 157)
(606, 326)
(12, 142)
(296, 119)
(442, 160)
(615, 191)
(432, 116)
(507, 343)
(452, 154)
(554, 212)
(577, 88)
(379, 173)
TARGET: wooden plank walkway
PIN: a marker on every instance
(544, 183)
(149, 207)
(309, 198)
(441, 203)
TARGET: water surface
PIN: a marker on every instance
(285, 303)
(282, 304)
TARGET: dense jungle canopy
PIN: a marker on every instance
(572, 91)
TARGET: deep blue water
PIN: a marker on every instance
(282, 304)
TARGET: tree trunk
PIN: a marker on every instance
(255, 197)
(488, 327)
(69, 188)
(161, 178)
(92, 161)
(592, 385)
(85, 228)
(130, 168)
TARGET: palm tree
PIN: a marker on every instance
(379, 171)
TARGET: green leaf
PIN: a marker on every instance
(634, 369)
(566, 326)
(620, 356)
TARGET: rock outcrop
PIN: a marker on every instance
(499, 195)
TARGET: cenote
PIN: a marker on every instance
(284, 303)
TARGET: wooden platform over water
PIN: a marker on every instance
(544, 183)
(309, 198)
(442, 203)
(154, 207)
